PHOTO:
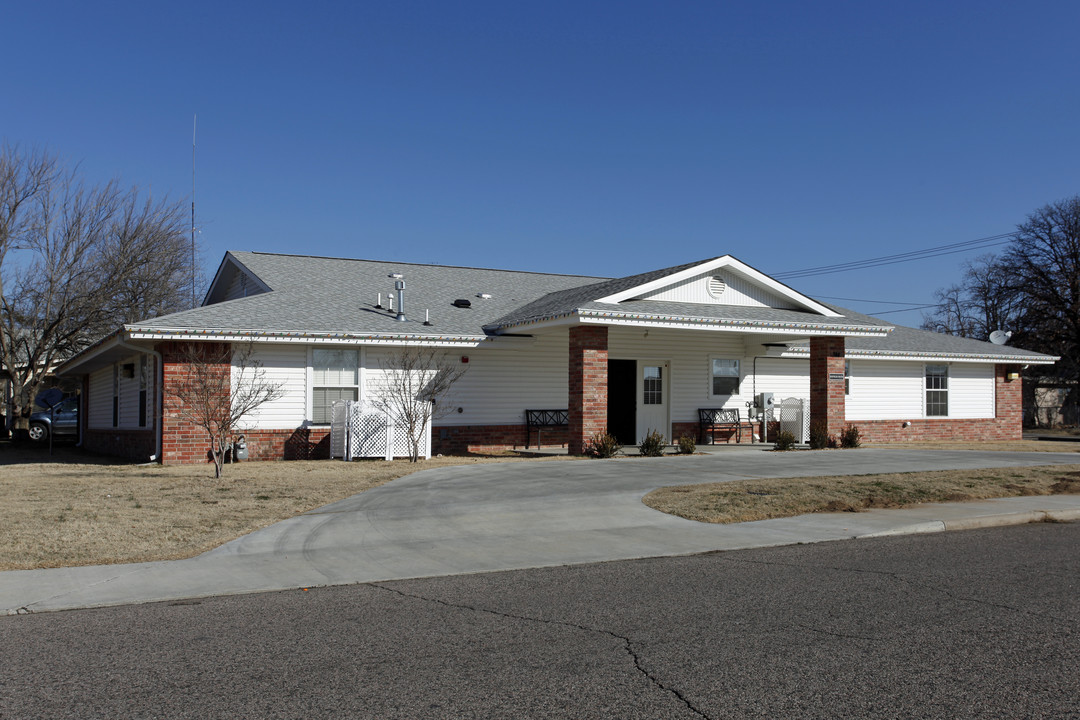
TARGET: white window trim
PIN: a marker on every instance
(309, 404)
(709, 377)
(947, 391)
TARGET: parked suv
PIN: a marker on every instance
(64, 421)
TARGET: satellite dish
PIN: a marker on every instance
(49, 398)
(1000, 337)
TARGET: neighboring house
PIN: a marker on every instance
(628, 354)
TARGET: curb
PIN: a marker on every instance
(981, 521)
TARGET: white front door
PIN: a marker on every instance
(653, 391)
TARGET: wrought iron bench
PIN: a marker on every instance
(712, 420)
(540, 419)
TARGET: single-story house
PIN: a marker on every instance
(628, 355)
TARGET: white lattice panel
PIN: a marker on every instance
(794, 418)
(364, 432)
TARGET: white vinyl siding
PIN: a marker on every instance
(739, 291)
(971, 391)
(895, 390)
(500, 383)
(284, 365)
(100, 410)
(885, 390)
(782, 377)
(241, 286)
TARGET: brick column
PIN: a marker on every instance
(588, 385)
(183, 442)
(1008, 403)
(827, 383)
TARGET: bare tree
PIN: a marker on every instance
(221, 387)
(987, 299)
(1044, 260)
(76, 262)
(414, 388)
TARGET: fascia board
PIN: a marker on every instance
(749, 326)
(260, 336)
(916, 356)
(725, 261)
(103, 345)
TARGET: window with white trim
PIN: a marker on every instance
(335, 375)
(937, 390)
(724, 377)
(847, 377)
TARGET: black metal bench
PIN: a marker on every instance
(540, 419)
(711, 420)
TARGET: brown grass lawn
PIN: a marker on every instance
(79, 509)
(1013, 446)
(746, 500)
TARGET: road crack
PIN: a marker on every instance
(628, 645)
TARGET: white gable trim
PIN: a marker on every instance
(731, 263)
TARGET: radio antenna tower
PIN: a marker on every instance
(194, 120)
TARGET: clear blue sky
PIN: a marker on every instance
(580, 137)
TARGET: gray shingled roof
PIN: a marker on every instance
(911, 341)
(316, 296)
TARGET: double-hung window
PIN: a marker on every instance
(724, 377)
(335, 375)
(937, 390)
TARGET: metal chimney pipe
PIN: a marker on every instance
(399, 285)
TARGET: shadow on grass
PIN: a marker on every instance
(16, 452)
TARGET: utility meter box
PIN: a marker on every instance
(240, 451)
(765, 401)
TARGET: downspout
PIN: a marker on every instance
(159, 397)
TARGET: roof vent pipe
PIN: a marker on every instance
(399, 285)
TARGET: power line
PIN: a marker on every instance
(912, 309)
(879, 302)
(948, 249)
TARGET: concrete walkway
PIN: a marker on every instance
(482, 518)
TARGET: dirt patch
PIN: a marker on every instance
(747, 500)
(78, 509)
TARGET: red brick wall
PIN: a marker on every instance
(460, 439)
(1007, 425)
(588, 385)
(827, 396)
(183, 442)
(300, 444)
(721, 436)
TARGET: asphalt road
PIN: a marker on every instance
(952, 625)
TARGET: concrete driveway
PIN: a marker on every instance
(481, 518)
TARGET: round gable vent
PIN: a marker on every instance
(717, 286)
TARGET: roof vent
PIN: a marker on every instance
(462, 303)
(717, 286)
(484, 296)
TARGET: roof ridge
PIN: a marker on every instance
(416, 264)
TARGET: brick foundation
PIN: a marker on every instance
(588, 385)
(299, 444)
(461, 439)
(720, 436)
